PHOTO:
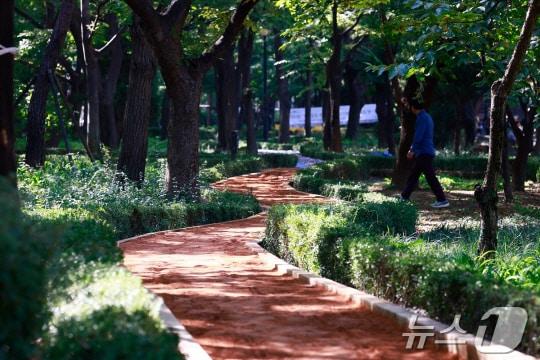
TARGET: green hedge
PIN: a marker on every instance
(72, 217)
(443, 279)
(279, 160)
(462, 165)
(23, 279)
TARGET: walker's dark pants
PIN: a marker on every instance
(424, 164)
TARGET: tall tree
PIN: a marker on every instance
(134, 148)
(245, 53)
(385, 113)
(93, 83)
(284, 95)
(184, 81)
(8, 165)
(35, 147)
(486, 194)
(356, 90)
(308, 98)
(227, 98)
(109, 131)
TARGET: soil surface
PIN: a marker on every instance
(239, 307)
(462, 205)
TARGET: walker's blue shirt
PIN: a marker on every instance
(423, 135)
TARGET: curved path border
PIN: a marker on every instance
(155, 258)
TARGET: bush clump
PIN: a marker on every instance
(107, 316)
(23, 279)
(311, 235)
(438, 273)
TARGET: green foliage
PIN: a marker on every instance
(346, 166)
(344, 191)
(107, 314)
(111, 333)
(80, 211)
(438, 272)
(381, 213)
(279, 160)
(23, 281)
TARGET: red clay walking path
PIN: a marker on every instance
(238, 307)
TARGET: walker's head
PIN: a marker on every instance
(416, 105)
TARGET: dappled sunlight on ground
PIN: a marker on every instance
(462, 205)
(239, 307)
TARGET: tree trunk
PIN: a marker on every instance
(380, 108)
(356, 91)
(78, 89)
(132, 160)
(227, 107)
(247, 108)
(109, 131)
(209, 111)
(524, 138)
(265, 113)
(333, 76)
(283, 92)
(486, 194)
(327, 121)
(35, 147)
(307, 102)
(389, 119)
(245, 53)
(184, 83)
(8, 164)
(457, 127)
(93, 84)
(505, 170)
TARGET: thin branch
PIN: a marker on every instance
(350, 53)
(111, 40)
(100, 7)
(521, 48)
(236, 24)
(351, 28)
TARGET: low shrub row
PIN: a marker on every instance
(464, 165)
(71, 291)
(439, 274)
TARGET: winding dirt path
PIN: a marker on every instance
(238, 307)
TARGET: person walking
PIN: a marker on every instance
(423, 152)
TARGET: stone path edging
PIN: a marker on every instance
(191, 349)
(468, 351)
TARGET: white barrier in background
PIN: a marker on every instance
(368, 115)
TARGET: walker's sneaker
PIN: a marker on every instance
(440, 204)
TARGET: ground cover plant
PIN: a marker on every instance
(373, 248)
(117, 116)
(76, 211)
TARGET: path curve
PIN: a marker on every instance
(239, 307)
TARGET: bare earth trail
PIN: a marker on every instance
(238, 307)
